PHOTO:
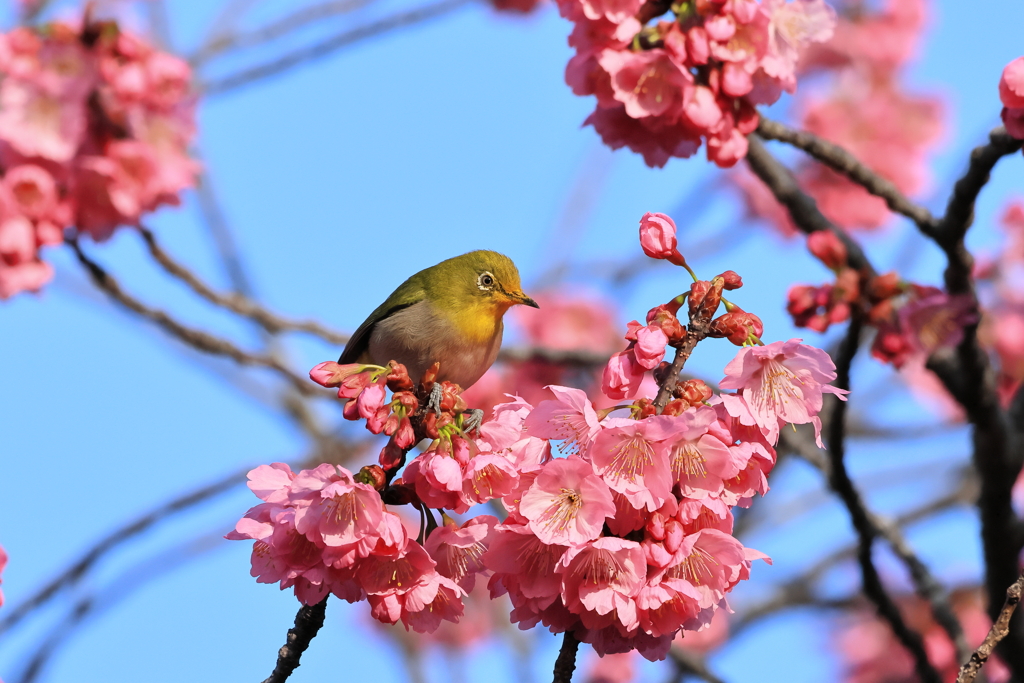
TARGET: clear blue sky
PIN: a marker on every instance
(339, 179)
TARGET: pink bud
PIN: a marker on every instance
(828, 248)
(391, 455)
(673, 535)
(1011, 84)
(658, 237)
(656, 526)
(732, 280)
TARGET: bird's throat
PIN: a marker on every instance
(478, 322)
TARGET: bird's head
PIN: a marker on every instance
(478, 281)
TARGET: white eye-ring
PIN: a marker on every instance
(485, 281)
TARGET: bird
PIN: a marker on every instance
(450, 313)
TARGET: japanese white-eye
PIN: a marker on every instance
(450, 313)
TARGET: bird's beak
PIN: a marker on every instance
(521, 298)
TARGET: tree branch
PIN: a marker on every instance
(272, 30)
(999, 630)
(74, 573)
(866, 531)
(237, 303)
(332, 44)
(198, 339)
(308, 621)
(802, 208)
(841, 161)
(566, 662)
(690, 663)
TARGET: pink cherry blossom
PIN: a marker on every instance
(433, 599)
(569, 418)
(650, 346)
(782, 382)
(648, 83)
(523, 564)
(567, 503)
(622, 375)
(459, 551)
(793, 25)
(937, 321)
(632, 457)
(486, 477)
(600, 580)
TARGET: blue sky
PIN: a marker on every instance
(338, 180)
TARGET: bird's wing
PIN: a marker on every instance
(407, 294)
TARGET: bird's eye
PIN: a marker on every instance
(485, 281)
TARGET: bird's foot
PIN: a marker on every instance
(434, 400)
(471, 420)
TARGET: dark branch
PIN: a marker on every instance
(308, 621)
(332, 44)
(866, 531)
(70, 576)
(960, 209)
(566, 662)
(802, 208)
(1000, 629)
(838, 159)
(237, 303)
(925, 584)
(689, 663)
(198, 339)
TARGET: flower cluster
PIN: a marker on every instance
(324, 531)
(95, 125)
(1011, 93)
(626, 539)
(867, 111)
(619, 529)
(696, 73)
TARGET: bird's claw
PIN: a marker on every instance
(434, 400)
(472, 419)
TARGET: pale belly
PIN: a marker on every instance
(417, 338)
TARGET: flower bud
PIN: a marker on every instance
(430, 376)
(398, 378)
(703, 307)
(658, 238)
(694, 391)
(331, 374)
(430, 425)
(656, 526)
(391, 456)
(673, 535)
(732, 280)
(371, 475)
(827, 248)
(737, 327)
(847, 287)
(676, 406)
(884, 287)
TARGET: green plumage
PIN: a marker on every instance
(458, 284)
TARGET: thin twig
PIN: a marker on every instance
(332, 44)
(838, 159)
(308, 621)
(237, 303)
(866, 531)
(78, 569)
(690, 663)
(798, 590)
(273, 30)
(999, 630)
(566, 662)
(198, 339)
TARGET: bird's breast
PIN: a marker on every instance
(465, 343)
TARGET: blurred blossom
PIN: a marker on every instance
(871, 654)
